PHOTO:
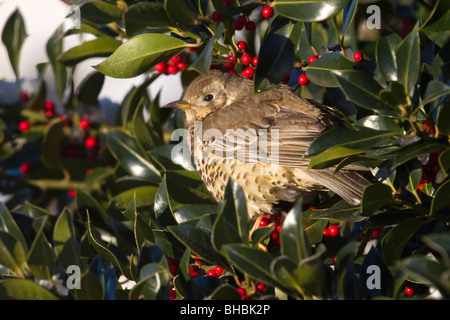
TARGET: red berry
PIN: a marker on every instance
(173, 269)
(25, 168)
(250, 26)
(219, 270)
(172, 69)
(212, 273)
(264, 222)
(49, 104)
(275, 235)
(176, 59)
(231, 71)
(50, 113)
(334, 230)
(24, 96)
(278, 228)
(72, 193)
(231, 58)
(242, 45)
(375, 233)
(173, 294)
(255, 61)
(228, 1)
(90, 142)
(84, 123)
(326, 233)
(238, 25)
(24, 126)
(182, 65)
(267, 12)
(420, 186)
(261, 287)
(161, 66)
(242, 291)
(303, 79)
(229, 65)
(410, 290)
(216, 16)
(248, 73)
(246, 59)
(242, 20)
(312, 59)
(358, 56)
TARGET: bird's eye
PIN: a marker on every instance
(208, 97)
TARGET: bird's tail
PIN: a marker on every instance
(349, 185)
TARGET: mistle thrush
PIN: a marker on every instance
(258, 140)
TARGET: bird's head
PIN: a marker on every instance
(208, 93)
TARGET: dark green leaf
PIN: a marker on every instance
(294, 243)
(89, 89)
(54, 49)
(395, 240)
(428, 270)
(203, 63)
(408, 60)
(65, 242)
(153, 283)
(100, 12)
(443, 114)
(435, 90)
(378, 123)
(344, 138)
(8, 224)
(139, 54)
(130, 155)
(179, 11)
(385, 56)
(283, 268)
(103, 251)
(12, 254)
(252, 261)
(315, 10)
(322, 71)
(199, 242)
(277, 53)
(53, 136)
(360, 88)
(415, 150)
(100, 47)
(23, 289)
(41, 258)
(441, 200)
(375, 197)
(342, 210)
(162, 207)
(231, 225)
(13, 36)
(144, 14)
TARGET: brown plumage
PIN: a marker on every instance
(223, 115)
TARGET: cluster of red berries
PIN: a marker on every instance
(246, 59)
(90, 141)
(174, 64)
(274, 220)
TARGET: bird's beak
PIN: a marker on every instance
(179, 104)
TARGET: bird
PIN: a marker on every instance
(259, 140)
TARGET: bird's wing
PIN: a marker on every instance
(267, 130)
